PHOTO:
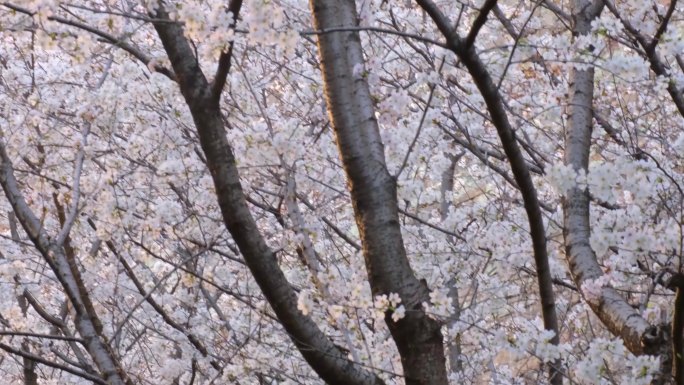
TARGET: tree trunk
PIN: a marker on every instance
(374, 193)
(617, 315)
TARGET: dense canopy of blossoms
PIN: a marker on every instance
(101, 145)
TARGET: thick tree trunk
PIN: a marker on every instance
(374, 193)
(613, 310)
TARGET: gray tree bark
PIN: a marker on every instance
(617, 315)
(374, 193)
(620, 318)
(60, 258)
(202, 98)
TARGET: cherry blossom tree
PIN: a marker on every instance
(342, 192)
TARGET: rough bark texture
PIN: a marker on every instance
(374, 193)
(613, 310)
(320, 352)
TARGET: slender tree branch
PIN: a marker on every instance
(41, 310)
(479, 22)
(497, 110)
(420, 124)
(43, 336)
(41, 360)
(226, 56)
(135, 52)
(75, 188)
(662, 27)
(432, 226)
(409, 35)
(650, 53)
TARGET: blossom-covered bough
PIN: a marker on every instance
(347, 192)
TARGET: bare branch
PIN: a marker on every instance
(41, 360)
(75, 188)
(479, 22)
(107, 37)
(326, 31)
(226, 56)
(662, 27)
(43, 336)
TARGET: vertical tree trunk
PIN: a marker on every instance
(453, 347)
(374, 193)
(617, 315)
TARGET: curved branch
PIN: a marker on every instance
(319, 351)
(136, 53)
(650, 53)
(616, 314)
(521, 172)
